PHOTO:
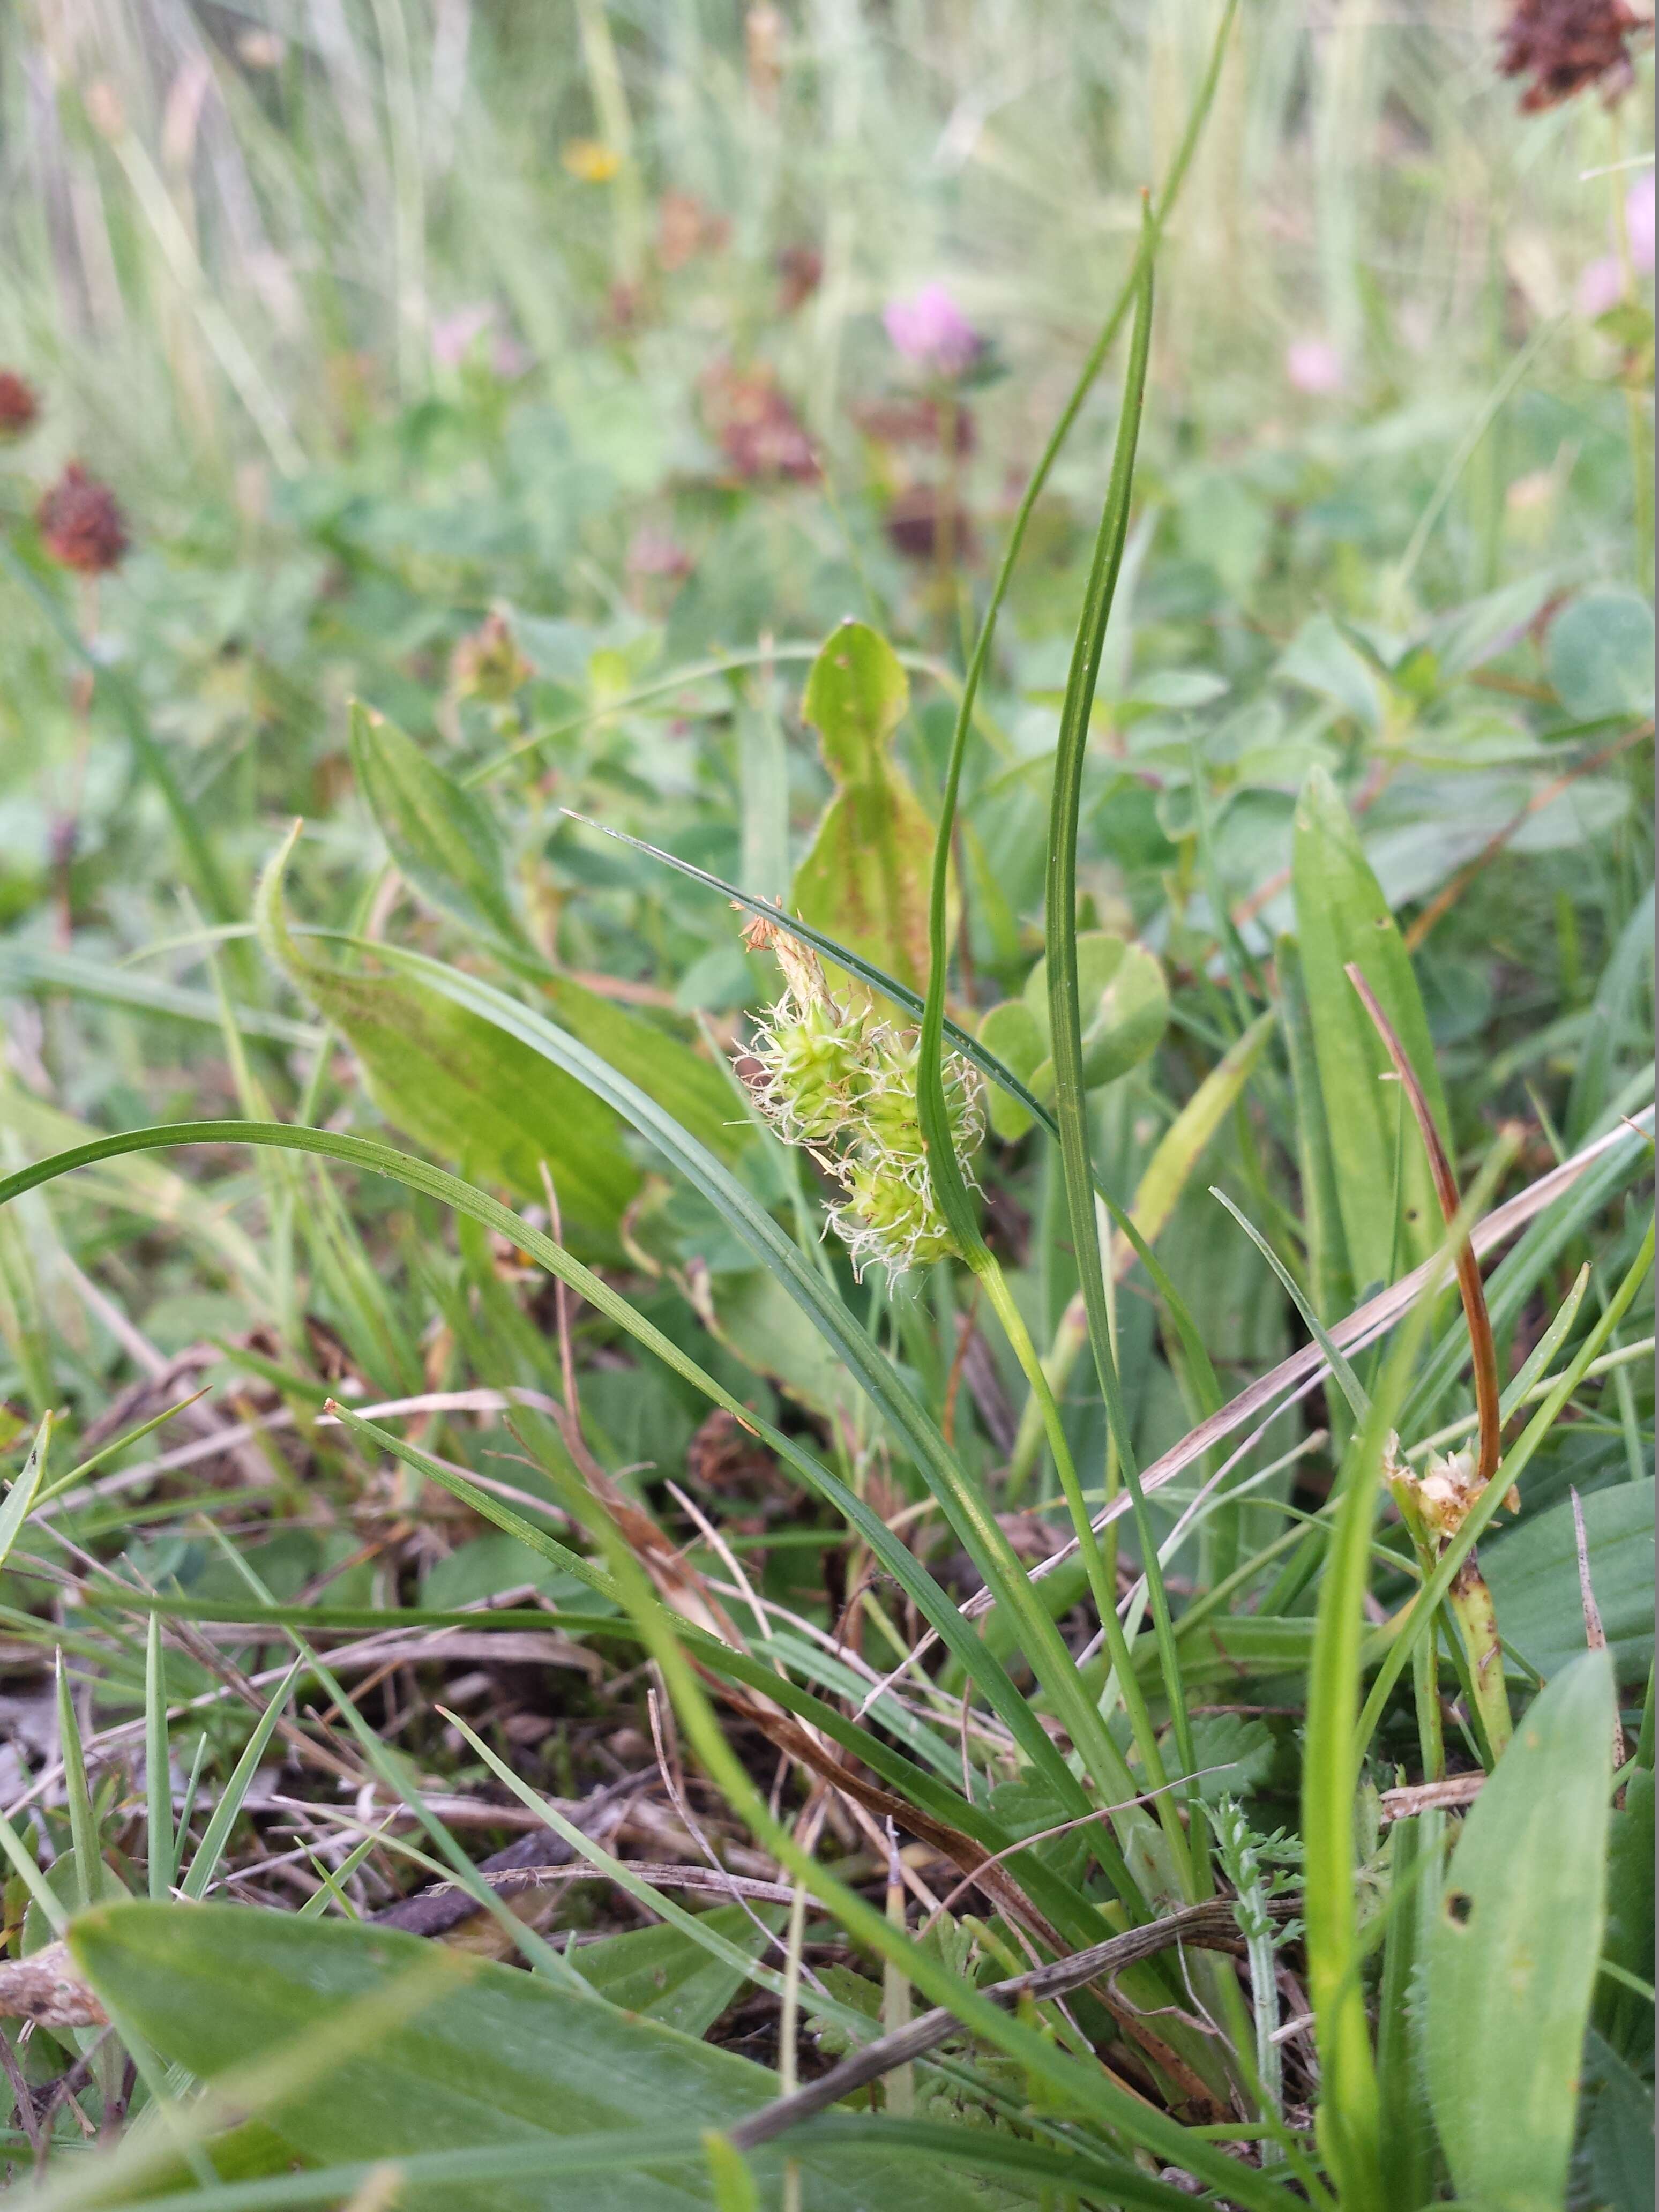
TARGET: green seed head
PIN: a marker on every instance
(843, 1084)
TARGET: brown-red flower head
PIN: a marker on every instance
(1567, 45)
(19, 407)
(81, 525)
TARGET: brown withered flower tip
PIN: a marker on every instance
(1567, 46)
(918, 421)
(19, 407)
(800, 271)
(685, 228)
(917, 522)
(724, 1456)
(487, 665)
(755, 426)
(81, 525)
(654, 552)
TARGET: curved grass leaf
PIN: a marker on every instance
(1070, 1064)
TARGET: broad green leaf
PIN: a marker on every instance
(1601, 656)
(1613, 2167)
(465, 1089)
(864, 880)
(1123, 1001)
(1320, 658)
(685, 1085)
(457, 2053)
(1125, 1009)
(442, 836)
(1183, 1142)
(774, 1337)
(445, 840)
(660, 1974)
(1512, 1959)
(1327, 1279)
(1013, 1032)
(1532, 1574)
(1341, 917)
(1629, 1939)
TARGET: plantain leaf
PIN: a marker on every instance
(1183, 1142)
(442, 836)
(864, 880)
(660, 1974)
(1601, 656)
(402, 2047)
(694, 1092)
(1512, 1957)
(1341, 917)
(1532, 1574)
(445, 841)
(466, 1090)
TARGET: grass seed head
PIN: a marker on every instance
(842, 1083)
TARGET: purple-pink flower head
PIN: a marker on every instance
(1638, 222)
(1314, 365)
(931, 330)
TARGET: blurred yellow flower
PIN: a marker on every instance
(591, 159)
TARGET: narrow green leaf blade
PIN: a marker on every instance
(22, 1495)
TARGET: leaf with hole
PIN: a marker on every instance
(1511, 1961)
